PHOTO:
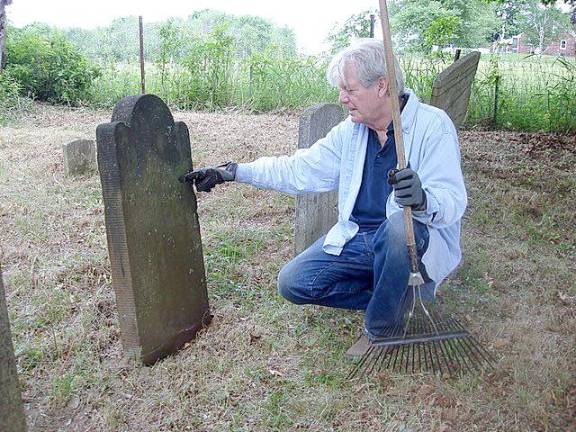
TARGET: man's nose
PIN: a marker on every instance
(343, 97)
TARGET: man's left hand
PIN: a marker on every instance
(407, 188)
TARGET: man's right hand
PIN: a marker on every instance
(206, 178)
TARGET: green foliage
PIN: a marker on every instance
(209, 65)
(356, 26)
(119, 41)
(170, 44)
(290, 82)
(533, 94)
(542, 25)
(416, 23)
(48, 67)
(442, 31)
(10, 100)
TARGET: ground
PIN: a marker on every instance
(265, 364)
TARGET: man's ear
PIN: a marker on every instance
(382, 86)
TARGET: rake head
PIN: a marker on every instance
(425, 341)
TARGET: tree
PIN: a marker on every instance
(3, 24)
(357, 26)
(510, 14)
(170, 44)
(418, 24)
(442, 31)
(542, 24)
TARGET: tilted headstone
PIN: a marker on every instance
(452, 87)
(79, 157)
(11, 411)
(316, 213)
(152, 228)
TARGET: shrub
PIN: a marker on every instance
(49, 68)
(10, 101)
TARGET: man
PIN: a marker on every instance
(362, 263)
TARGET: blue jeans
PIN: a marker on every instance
(371, 274)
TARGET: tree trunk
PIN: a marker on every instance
(2, 34)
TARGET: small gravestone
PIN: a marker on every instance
(152, 228)
(452, 87)
(79, 157)
(316, 213)
(11, 411)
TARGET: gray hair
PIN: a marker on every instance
(368, 57)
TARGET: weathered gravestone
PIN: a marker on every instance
(152, 228)
(79, 157)
(11, 412)
(315, 213)
(452, 87)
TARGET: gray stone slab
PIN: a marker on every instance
(152, 228)
(451, 89)
(79, 157)
(12, 417)
(315, 213)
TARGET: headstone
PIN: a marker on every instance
(452, 87)
(11, 411)
(152, 228)
(316, 213)
(79, 157)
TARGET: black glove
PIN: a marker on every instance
(407, 188)
(206, 178)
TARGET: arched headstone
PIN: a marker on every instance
(452, 87)
(11, 412)
(152, 228)
(315, 213)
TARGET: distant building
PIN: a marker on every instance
(564, 45)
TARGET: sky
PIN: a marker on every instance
(311, 20)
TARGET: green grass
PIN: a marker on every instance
(264, 364)
(535, 93)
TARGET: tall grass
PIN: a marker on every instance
(535, 93)
(259, 84)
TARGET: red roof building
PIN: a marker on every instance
(564, 45)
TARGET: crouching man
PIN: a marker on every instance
(363, 263)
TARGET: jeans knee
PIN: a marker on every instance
(391, 235)
(287, 284)
(394, 230)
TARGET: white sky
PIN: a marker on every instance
(311, 20)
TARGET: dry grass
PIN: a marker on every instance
(265, 364)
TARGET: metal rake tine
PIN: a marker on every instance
(361, 363)
(481, 354)
(426, 310)
(481, 350)
(463, 356)
(437, 357)
(411, 312)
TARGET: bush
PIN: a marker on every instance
(49, 68)
(10, 101)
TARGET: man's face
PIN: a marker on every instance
(365, 104)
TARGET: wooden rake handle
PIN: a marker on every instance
(397, 123)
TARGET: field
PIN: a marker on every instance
(534, 93)
(264, 364)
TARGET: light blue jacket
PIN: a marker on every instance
(337, 161)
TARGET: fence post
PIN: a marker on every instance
(495, 109)
(141, 31)
(250, 82)
(372, 21)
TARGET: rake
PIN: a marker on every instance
(425, 339)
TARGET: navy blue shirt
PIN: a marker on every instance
(370, 207)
